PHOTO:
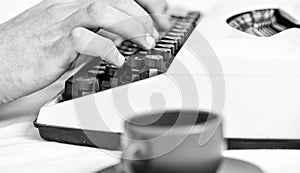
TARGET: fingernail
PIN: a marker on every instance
(120, 60)
(118, 41)
(150, 41)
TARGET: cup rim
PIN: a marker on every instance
(178, 130)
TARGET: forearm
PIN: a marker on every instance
(9, 90)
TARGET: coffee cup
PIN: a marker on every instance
(174, 141)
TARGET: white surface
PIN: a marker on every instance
(21, 149)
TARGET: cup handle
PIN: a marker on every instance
(134, 152)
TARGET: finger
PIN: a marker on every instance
(89, 43)
(159, 12)
(133, 9)
(114, 37)
(110, 19)
(162, 21)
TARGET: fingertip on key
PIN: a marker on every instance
(120, 60)
(150, 41)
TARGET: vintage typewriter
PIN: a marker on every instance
(99, 78)
(257, 47)
(139, 64)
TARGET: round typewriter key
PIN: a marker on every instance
(154, 61)
(131, 49)
(127, 43)
(133, 46)
(87, 85)
(122, 48)
(127, 53)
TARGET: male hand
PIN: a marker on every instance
(39, 45)
(158, 9)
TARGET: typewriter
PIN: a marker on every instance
(256, 44)
(98, 77)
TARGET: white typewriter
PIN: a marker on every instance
(255, 49)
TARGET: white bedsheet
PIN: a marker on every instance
(22, 150)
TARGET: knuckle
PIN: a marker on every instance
(76, 34)
(95, 9)
(53, 8)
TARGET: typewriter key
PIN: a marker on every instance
(100, 67)
(144, 75)
(144, 52)
(87, 85)
(183, 23)
(165, 53)
(175, 43)
(127, 43)
(195, 14)
(99, 74)
(167, 46)
(177, 35)
(106, 85)
(111, 70)
(178, 40)
(133, 46)
(127, 53)
(153, 72)
(182, 32)
(183, 27)
(70, 89)
(154, 61)
(126, 79)
(136, 61)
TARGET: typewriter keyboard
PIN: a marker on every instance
(139, 65)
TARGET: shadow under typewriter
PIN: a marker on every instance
(263, 22)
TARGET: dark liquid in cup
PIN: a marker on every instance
(170, 118)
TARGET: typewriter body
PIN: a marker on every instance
(261, 72)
